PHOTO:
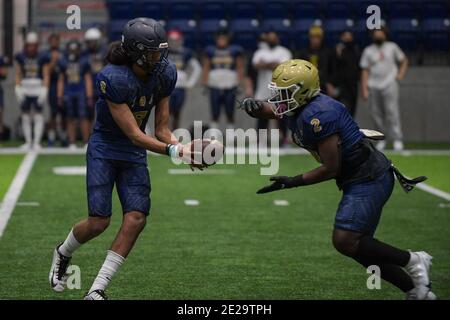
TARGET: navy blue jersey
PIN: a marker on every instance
(223, 58)
(74, 72)
(56, 69)
(322, 117)
(180, 58)
(120, 85)
(31, 67)
(96, 61)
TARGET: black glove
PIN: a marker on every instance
(282, 182)
(250, 105)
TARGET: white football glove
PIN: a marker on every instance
(20, 94)
(42, 97)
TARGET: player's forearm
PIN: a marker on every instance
(166, 136)
(264, 113)
(142, 140)
(319, 174)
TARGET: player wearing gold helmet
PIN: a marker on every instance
(323, 126)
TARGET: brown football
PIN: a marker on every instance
(211, 151)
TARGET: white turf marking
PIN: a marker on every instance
(28, 204)
(70, 171)
(434, 191)
(206, 171)
(281, 203)
(13, 193)
(191, 202)
(444, 205)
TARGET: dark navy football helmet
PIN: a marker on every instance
(141, 38)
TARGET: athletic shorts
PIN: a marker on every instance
(219, 97)
(132, 183)
(361, 205)
(75, 105)
(30, 102)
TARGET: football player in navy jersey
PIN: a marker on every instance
(32, 82)
(324, 127)
(95, 54)
(223, 72)
(75, 90)
(188, 72)
(137, 79)
(53, 55)
(3, 74)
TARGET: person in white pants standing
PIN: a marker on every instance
(32, 82)
(383, 65)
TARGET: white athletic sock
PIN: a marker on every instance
(38, 127)
(69, 245)
(112, 262)
(51, 135)
(26, 127)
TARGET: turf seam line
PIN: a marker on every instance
(15, 189)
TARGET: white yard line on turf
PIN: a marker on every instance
(13, 193)
(207, 171)
(436, 192)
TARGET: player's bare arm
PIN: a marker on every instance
(330, 157)
(127, 123)
(162, 131)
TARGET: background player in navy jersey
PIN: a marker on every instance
(75, 90)
(138, 79)
(53, 55)
(3, 74)
(188, 73)
(95, 54)
(32, 82)
(324, 127)
(223, 72)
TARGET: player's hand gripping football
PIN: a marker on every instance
(189, 156)
(282, 182)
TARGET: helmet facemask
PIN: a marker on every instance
(283, 98)
(150, 59)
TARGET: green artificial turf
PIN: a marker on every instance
(233, 245)
(8, 168)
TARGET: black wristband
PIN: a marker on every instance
(168, 148)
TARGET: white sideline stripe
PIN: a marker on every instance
(444, 205)
(13, 193)
(434, 191)
(282, 152)
(206, 171)
(70, 171)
